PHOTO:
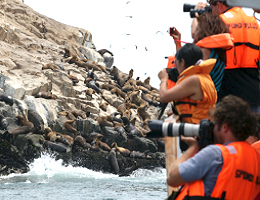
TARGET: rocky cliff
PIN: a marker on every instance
(58, 95)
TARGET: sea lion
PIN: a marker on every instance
(118, 92)
(54, 146)
(67, 125)
(45, 95)
(69, 53)
(90, 92)
(87, 80)
(138, 82)
(143, 89)
(147, 81)
(22, 130)
(103, 106)
(80, 113)
(105, 121)
(113, 160)
(68, 114)
(50, 66)
(129, 170)
(137, 154)
(107, 86)
(92, 84)
(128, 88)
(103, 145)
(136, 99)
(49, 134)
(92, 75)
(119, 128)
(142, 113)
(80, 140)
(7, 99)
(73, 78)
(125, 152)
(24, 122)
(39, 130)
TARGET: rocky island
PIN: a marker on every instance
(58, 95)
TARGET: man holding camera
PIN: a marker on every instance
(230, 169)
(241, 76)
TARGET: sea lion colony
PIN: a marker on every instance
(136, 95)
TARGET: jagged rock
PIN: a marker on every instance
(28, 42)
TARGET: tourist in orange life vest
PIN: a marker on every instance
(194, 93)
(212, 36)
(241, 75)
(228, 169)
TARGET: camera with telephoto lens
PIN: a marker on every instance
(190, 8)
(203, 131)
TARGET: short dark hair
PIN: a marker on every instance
(190, 53)
(237, 114)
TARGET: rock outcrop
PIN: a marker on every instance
(56, 80)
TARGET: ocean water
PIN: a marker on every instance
(49, 179)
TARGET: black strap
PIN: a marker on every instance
(205, 198)
(184, 102)
(184, 116)
(253, 46)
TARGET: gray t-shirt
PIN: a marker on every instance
(205, 166)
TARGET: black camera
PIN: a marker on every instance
(203, 131)
(190, 8)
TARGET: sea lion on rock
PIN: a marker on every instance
(107, 86)
(119, 128)
(135, 98)
(105, 121)
(103, 145)
(90, 92)
(118, 92)
(129, 170)
(54, 146)
(68, 114)
(142, 113)
(67, 125)
(45, 95)
(22, 130)
(92, 84)
(80, 140)
(49, 134)
(128, 88)
(137, 154)
(92, 75)
(103, 106)
(80, 113)
(125, 152)
(73, 78)
(24, 122)
(50, 66)
(113, 160)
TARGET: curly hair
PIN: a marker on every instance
(211, 24)
(237, 114)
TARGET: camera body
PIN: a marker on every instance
(203, 131)
(190, 8)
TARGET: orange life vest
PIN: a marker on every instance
(256, 146)
(223, 40)
(171, 64)
(245, 31)
(191, 111)
(239, 177)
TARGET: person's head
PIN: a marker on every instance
(187, 55)
(234, 114)
(218, 6)
(209, 24)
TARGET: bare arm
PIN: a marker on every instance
(206, 53)
(189, 87)
(174, 178)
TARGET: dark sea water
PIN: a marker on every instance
(49, 179)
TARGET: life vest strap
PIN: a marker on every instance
(253, 46)
(184, 102)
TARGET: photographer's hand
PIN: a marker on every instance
(176, 35)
